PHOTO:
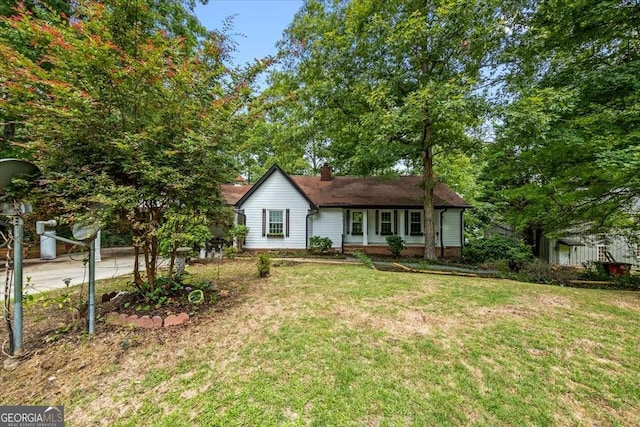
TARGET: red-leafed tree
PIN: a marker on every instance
(128, 113)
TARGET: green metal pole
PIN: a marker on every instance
(92, 287)
(18, 227)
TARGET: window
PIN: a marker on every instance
(276, 222)
(602, 253)
(386, 223)
(415, 223)
(356, 223)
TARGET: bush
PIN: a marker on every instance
(496, 248)
(264, 265)
(238, 232)
(112, 239)
(538, 271)
(363, 258)
(396, 245)
(229, 252)
(320, 244)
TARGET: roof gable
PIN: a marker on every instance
(274, 169)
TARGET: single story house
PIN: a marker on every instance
(356, 213)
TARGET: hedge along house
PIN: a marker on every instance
(356, 213)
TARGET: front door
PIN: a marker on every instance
(564, 255)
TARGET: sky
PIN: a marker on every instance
(261, 23)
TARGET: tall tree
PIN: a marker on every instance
(394, 81)
(127, 122)
(172, 16)
(568, 151)
(10, 136)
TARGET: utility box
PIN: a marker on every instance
(48, 246)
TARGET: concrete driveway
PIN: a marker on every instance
(40, 275)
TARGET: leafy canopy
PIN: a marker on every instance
(127, 118)
(567, 154)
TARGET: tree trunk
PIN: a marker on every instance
(8, 133)
(429, 214)
(137, 280)
(172, 259)
(428, 184)
(153, 247)
(533, 237)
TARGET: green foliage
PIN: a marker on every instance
(238, 231)
(396, 245)
(566, 152)
(229, 251)
(264, 265)
(61, 300)
(497, 247)
(111, 239)
(180, 230)
(239, 234)
(158, 294)
(538, 271)
(363, 258)
(128, 110)
(370, 85)
(320, 244)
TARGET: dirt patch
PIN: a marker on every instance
(503, 311)
(400, 322)
(630, 302)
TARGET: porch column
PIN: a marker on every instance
(365, 227)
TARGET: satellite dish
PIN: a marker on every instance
(85, 232)
(15, 168)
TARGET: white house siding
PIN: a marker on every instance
(619, 248)
(328, 223)
(276, 193)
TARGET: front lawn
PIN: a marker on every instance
(346, 345)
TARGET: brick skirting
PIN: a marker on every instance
(411, 251)
(450, 252)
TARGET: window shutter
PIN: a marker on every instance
(348, 222)
(406, 222)
(286, 225)
(377, 221)
(264, 222)
(395, 222)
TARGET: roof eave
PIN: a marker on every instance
(363, 206)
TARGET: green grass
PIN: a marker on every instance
(344, 345)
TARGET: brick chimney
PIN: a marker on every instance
(325, 172)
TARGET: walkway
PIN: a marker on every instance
(43, 275)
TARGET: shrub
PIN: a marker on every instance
(363, 258)
(396, 245)
(160, 295)
(538, 271)
(238, 232)
(229, 252)
(264, 265)
(320, 244)
(496, 248)
(183, 230)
